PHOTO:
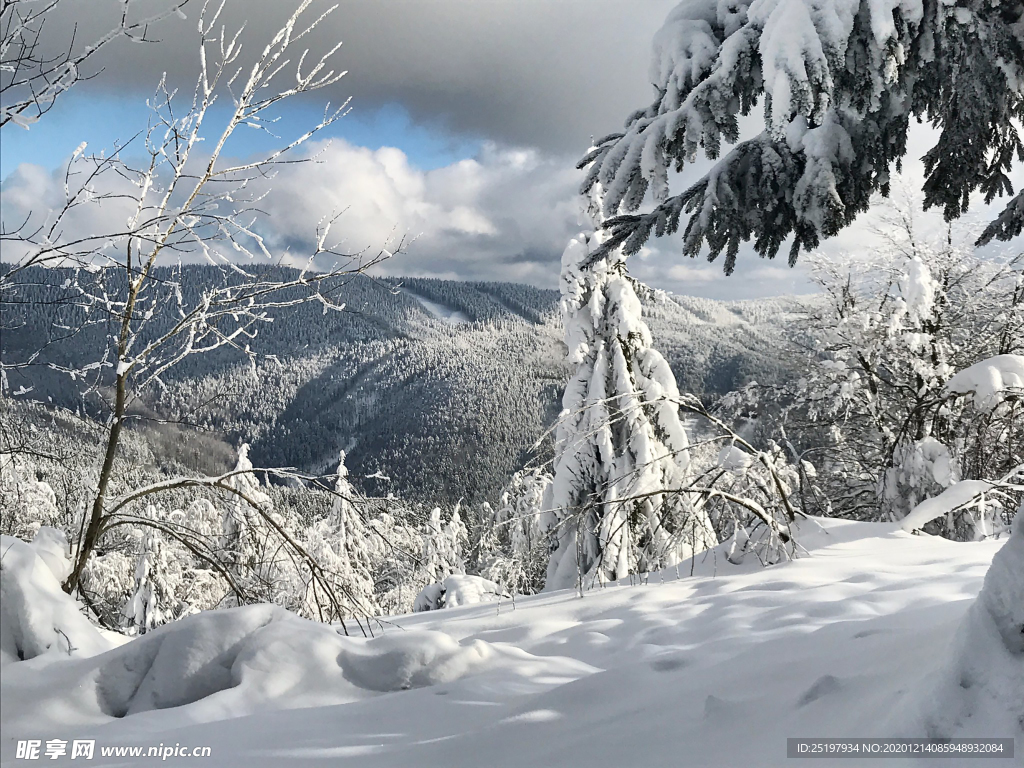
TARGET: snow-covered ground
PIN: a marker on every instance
(442, 312)
(861, 637)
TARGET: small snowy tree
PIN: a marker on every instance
(840, 83)
(152, 601)
(25, 503)
(343, 547)
(516, 549)
(444, 545)
(187, 200)
(245, 537)
(620, 448)
(457, 536)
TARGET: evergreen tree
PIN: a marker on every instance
(840, 81)
(343, 547)
(152, 600)
(620, 447)
(513, 546)
(246, 536)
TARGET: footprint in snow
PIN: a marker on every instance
(869, 633)
(670, 664)
(823, 686)
(715, 707)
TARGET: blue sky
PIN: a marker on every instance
(103, 119)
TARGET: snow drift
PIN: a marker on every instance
(980, 688)
(877, 633)
(36, 617)
(457, 590)
(209, 666)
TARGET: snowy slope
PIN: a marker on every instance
(713, 669)
(445, 314)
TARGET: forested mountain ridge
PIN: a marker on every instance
(437, 389)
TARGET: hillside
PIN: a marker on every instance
(441, 387)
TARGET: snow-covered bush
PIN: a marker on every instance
(25, 503)
(513, 546)
(345, 549)
(457, 590)
(881, 406)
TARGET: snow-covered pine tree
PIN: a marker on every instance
(513, 546)
(444, 545)
(152, 600)
(342, 545)
(620, 448)
(841, 81)
(246, 536)
(434, 548)
(457, 536)
(519, 512)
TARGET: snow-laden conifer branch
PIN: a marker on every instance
(840, 82)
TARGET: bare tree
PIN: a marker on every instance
(37, 70)
(182, 203)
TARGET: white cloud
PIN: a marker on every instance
(505, 214)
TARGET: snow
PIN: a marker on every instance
(445, 314)
(874, 633)
(990, 381)
(954, 497)
(457, 590)
(36, 618)
(981, 684)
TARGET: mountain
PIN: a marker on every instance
(437, 389)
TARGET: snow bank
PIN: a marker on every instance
(1003, 593)
(980, 689)
(398, 661)
(234, 662)
(667, 672)
(457, 590)
(36, 617)
(990, 380)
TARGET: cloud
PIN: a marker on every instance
(504, 214)
(517, 72)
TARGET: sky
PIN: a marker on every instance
(466, 119)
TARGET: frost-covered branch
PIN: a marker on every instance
(34, 72)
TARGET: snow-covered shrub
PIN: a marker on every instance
(345, 549)
(750, 486)
(25, 503)
(153, 591)
(514, 547)
(457, 590)
(444, 545)
(881, 406)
